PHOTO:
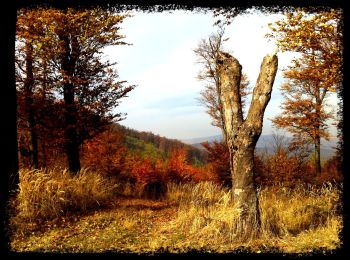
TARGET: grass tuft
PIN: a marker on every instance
(47, 194)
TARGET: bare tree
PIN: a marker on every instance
(207, 53)
(243, 134)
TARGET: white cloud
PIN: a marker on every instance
(162, 64)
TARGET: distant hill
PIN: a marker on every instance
(196, 141)
(265, 142)
(155, 146)
(142, 148)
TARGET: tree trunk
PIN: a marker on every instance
(242, 136)
(318, 155)
(72, 146)
(317, 140)
(244, 189)
(70, 113)
(28, 89)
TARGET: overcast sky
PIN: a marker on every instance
(162, 64)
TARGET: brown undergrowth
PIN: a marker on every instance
(190, 217)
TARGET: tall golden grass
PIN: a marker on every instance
(46, 194)
(293, 220)
(203, 215)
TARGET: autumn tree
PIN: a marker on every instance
(207, 53)
(243, 134)
(219, 161)
(84, 85)
(311, 77)
(26, 70)
(106, 152)
(286, 162)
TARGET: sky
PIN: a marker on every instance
(163, 66)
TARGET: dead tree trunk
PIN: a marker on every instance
(243, 134)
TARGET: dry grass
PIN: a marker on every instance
(293, 220)
(196, 217)
(47, 194)
(286, 211)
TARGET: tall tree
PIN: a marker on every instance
(207, 52)
(84, 85)
(27, 38)
(243, 134)
(313, 76)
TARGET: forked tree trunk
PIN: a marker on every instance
(242, 135)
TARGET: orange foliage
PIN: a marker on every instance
(180, 170)
(285, 167)
(145, 171)
(176, 169)
(279, 167)
(219, 161)
(331, 171)
(312, 76)
(106, 152)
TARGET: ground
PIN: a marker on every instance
(128, 224)
(198, 219)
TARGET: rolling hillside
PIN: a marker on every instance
(158, 147)
(265, 142)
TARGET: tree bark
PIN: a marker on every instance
(318, 155)
(242, 135)
(70, 113)
(28, 89)
(317, 139)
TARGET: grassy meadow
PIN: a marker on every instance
(57, 212)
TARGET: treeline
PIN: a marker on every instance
(166, 145)
(121, 156)
(285, 164)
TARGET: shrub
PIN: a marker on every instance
(106, 152)
(47, 194)
(150, 178)
(219, 161)
(179, 170)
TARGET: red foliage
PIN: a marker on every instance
(219, 162)
(106, 152)
(180, 170)
(331, 171)
(285, 167)
(145, 171)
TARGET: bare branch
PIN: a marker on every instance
(262, 91)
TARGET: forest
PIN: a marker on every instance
(88, 183)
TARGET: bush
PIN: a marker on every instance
(106, 152)
(154, 190)
(179, 170)
(150, 178)
(45, 194)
